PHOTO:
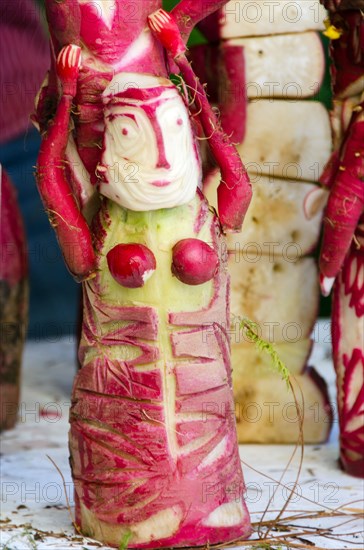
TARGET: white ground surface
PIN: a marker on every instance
(33, 502)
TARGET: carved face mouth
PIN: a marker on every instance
(161, 183)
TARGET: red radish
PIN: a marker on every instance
(80, 22)
(348, 355)
(328, 175)
(71, 228)
(68, 66)
(205, 61)
(141, 444)
(346, 201)
(234, 106)
(194, 261)
(342, 253)
(170, 38)
(234, 192)
(13, 299)
(131, 264)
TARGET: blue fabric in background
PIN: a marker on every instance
(54, 295)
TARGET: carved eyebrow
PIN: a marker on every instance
(132, 117)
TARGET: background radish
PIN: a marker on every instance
(14, 301)
(153, 444)
(270, 60)
(342, 252)
(246, 18)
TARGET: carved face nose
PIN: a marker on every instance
(162, 161)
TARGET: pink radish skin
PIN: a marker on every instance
(234, 107)
(14, 301)
(346, 201)
(348, 307)
(205, 61)
(13, 253)
(131, 264)
(64, 20)
(234, 192)
(194, 262)
(327, 177)
(71, 228)
(64, 27)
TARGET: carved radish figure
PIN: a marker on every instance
(153, 444)
(342, 253)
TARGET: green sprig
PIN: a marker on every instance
(125, 540)
(251, 330)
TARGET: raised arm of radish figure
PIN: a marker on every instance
(234, 192)
(64, 212)
(345, 206)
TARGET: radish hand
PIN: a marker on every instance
(165, 29)
(68, 66)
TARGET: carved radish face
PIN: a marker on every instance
(150, 158)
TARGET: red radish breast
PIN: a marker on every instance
(194, 261)
(131, 264)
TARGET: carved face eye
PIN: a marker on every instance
(134, 137)
(130, 130)
(172, 119)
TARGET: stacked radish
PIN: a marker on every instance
(342, 253)
(272, 62)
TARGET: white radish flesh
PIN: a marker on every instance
(287, 139)
(262, 17)
(246, 355)
(275, 200)
(266, 410)
(266, 76)
(279, 294)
